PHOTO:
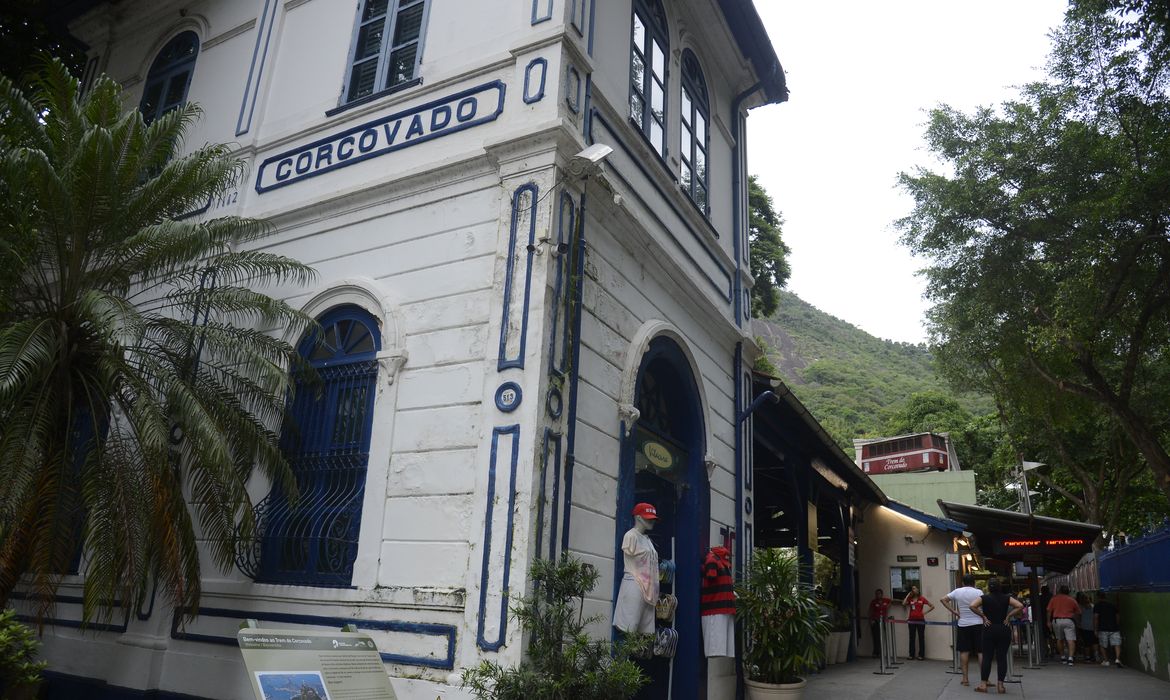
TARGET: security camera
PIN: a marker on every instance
(594, 154)
(908, 538)
(588, 162)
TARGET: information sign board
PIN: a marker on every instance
(313, 665)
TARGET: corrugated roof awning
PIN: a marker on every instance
(1035, 540)
(941, 524)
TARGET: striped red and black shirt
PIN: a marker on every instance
(717, 592)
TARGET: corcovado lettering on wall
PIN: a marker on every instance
(447, 115)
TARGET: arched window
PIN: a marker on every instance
(327, 442)
(696, 110)
(386, 47)
(649, 45)
(169, 76)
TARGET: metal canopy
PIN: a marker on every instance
(794, 461)
(1036, 540)
(941, 524)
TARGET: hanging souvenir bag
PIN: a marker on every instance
(666, 642)
(667, 604)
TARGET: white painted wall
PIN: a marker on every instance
(881, 538)
(420, 238)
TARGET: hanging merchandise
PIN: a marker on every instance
(717, 604)
(666, 571)
(666, 642)
(667, 604)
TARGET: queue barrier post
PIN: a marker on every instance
(1035, 658)
(883, 658)
(956, 663)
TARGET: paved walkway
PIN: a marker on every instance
(930, 680)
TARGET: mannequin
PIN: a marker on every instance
(634, 611)
(717, 604)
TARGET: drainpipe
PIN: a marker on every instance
(578, 292)
(738, 229)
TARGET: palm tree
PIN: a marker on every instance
(139, 388)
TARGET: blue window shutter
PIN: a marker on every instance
(169, 77)
(387, 47)
(326, 440)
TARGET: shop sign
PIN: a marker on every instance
(432, 120)
(657, 454)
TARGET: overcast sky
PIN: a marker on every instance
(862, 74)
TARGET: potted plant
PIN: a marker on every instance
(784, 628)
(842, 626)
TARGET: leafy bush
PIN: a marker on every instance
(20, 673)
(783, 623)
(563, 662)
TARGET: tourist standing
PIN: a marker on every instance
(970, 632)
(995, 609)
(916, 620)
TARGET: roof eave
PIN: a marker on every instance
(748, 30)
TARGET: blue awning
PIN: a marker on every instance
(934, 521)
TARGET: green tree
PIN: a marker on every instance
(769, 254)
(137, 389)
(1047, 234)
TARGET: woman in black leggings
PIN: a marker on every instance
(997, 609)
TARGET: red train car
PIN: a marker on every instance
(906, 453)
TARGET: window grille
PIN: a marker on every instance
(169, 77)
(648, 50)
(386, 47)
(326, 441)
(695, 115)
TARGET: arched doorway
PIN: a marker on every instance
(662, 464)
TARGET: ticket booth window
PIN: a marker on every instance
(902, 578)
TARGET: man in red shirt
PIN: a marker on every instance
(1062, 611)
(878, 611)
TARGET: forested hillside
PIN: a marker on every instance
(849, 380)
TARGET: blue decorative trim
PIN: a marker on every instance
(577, 16)
(553, 403)
(747, 391)
(514, 431)
(504, 362)
(553, 438)
(379, 137)
(195, 212)
(566, 214)
(75, 624)
(252, 90)
(422, 628)
(574, 300)
(724, 292)
(573, 89)
(529, 97)
(537, 15)
(502, 401)
(740, 430)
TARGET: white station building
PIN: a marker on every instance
(529, 223)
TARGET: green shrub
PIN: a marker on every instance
(563, 662)
(20, 672)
